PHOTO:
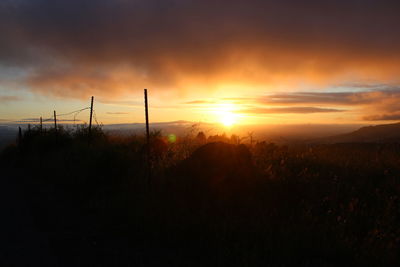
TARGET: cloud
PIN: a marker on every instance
(332, 98)
(117, 113)
(201, 102)
(81, 48)
(383, 117)
(348, 98)
(286, 110)
(128, 103)
(6, 99)
(367, 103)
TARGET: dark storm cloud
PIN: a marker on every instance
(74, 48)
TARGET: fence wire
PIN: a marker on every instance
(75, 113)
(95, 117)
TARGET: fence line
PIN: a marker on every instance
(40, 120)
(75, 113)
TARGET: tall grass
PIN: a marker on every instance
(327, 205)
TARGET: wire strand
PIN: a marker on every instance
(72, 112)
(75, 112)
(95, 117)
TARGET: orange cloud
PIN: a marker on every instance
(375, 105)
(109, 48)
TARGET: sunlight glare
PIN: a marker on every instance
(225, 113)
(227, 118)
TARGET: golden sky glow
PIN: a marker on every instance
(239, 63)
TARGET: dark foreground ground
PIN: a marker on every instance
(69, 202)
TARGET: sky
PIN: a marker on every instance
(237, 61)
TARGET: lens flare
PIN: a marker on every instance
(172, 138)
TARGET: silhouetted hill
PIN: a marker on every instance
(386, 133)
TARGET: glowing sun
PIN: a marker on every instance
(225, 113)
(227, 118)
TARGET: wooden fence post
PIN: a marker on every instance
(55, 121)
(147, 116)
(19, 135)
(146, 106)
(91, 116)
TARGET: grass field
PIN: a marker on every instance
(207, 201)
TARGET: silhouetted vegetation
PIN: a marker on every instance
(210, 201)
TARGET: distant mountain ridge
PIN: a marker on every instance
(385, 133)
